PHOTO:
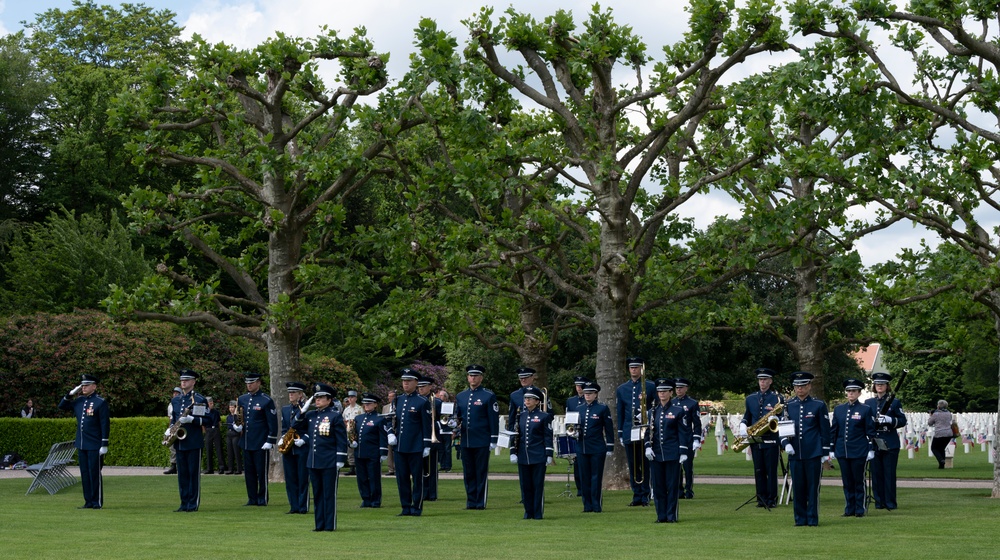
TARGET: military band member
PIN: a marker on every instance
(259, 434)
(350, 411)
(888, 418)
(629, 397)
(446, 433)
(596, 442)
(93, 427)
(765, 450)
(693, 413)
(294, 461)
(213, 438)
(666, 448)
(370, 448)
(389, 412)
(533, 452)
(189, 409)
(852, 433)
(424, 386)
(807, 449)
(412, 440)
(324, 434)
(526, 376)
(479, 415)
(571, 405)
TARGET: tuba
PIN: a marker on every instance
(768, 423)
(177, 431)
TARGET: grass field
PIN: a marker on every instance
(138, 522)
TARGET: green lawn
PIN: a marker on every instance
(139, 522)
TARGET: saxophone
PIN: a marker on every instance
(287, 441)
(767, 423)
(177, 431)
(351, 436)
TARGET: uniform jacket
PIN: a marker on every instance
(195, 438)
(693, 413)
(479, 415)
(413, 423)
(534, 437)
(812, 428)
(372, 438)
(669, 432)
(852, 431)
(629, 399)
(887, 432)
(93, 420)
(597, 432)
(260, 421)
(325, 437)
(760, 405)
(288, 414)
(517, 405)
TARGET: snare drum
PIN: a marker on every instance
(566, 446)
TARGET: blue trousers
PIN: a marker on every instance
(255, 474)
(475, 468)
(296, 482)
(189, 478)
(532, 479)
(91, 464)
(324, 482)
(806, 474)
(369, 475)
(638, 471)
(410, 482)
(852, 474)
(686, 476)
(765, 472)
(884, 478)
(444, 453)
(591, 473)
(666, 479)
(431, 474)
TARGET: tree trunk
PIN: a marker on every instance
(808, 336)
(996, 431)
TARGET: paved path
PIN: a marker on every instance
(561, 477)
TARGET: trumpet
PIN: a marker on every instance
(573, 430)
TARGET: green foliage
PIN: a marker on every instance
(137, 363)
(68, 262)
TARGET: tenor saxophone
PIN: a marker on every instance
(767, 423)
(287, 441)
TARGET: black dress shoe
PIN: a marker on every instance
(171, 470)
(95, 507)
(847, 515)
(633, 504)
(84, 507)
(250, 504)
(179, 509)
(859, 515)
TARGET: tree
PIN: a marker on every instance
(949, 179)
(275, 155)
(604, 143)
(23, 94)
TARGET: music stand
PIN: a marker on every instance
(567, 450)
(756, 495)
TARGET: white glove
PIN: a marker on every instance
(548, 460)
(427, 452)
(452, 423)
(103, 450)
(186, 419)
(354, 445)
(392, 439)
(789, 449)
(742, 432)
(340, 465)
(305, 405)
(299, 442)
(266, 447)
(684, 458)
(513, 459)
(829, 457)
(883, 419)
(166, 433)
(383, 458)
(76, 389)
(650, 454)
(237, 427)
(697, 444)
(871, 454)
(621, 441)
(610, 453)
(493, 446)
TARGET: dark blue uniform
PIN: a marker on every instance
(372, 440)
(571, 405)
(766, 453)
(326, 439)
(189, 448)
(534, 449)
(413, 434)
(628, 397)
(93, 427)
(445, 434)
(811, 443)
(260, 426)
(668, 438)
(884, 465)
(294, 464)
(479, 416)
(852, 431)
(431, 461)
(234, 455)
(595, 439)
(693, 414)
(213, 441)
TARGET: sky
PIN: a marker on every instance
(390, 24)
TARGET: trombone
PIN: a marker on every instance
(429, 462)
(638, 451)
